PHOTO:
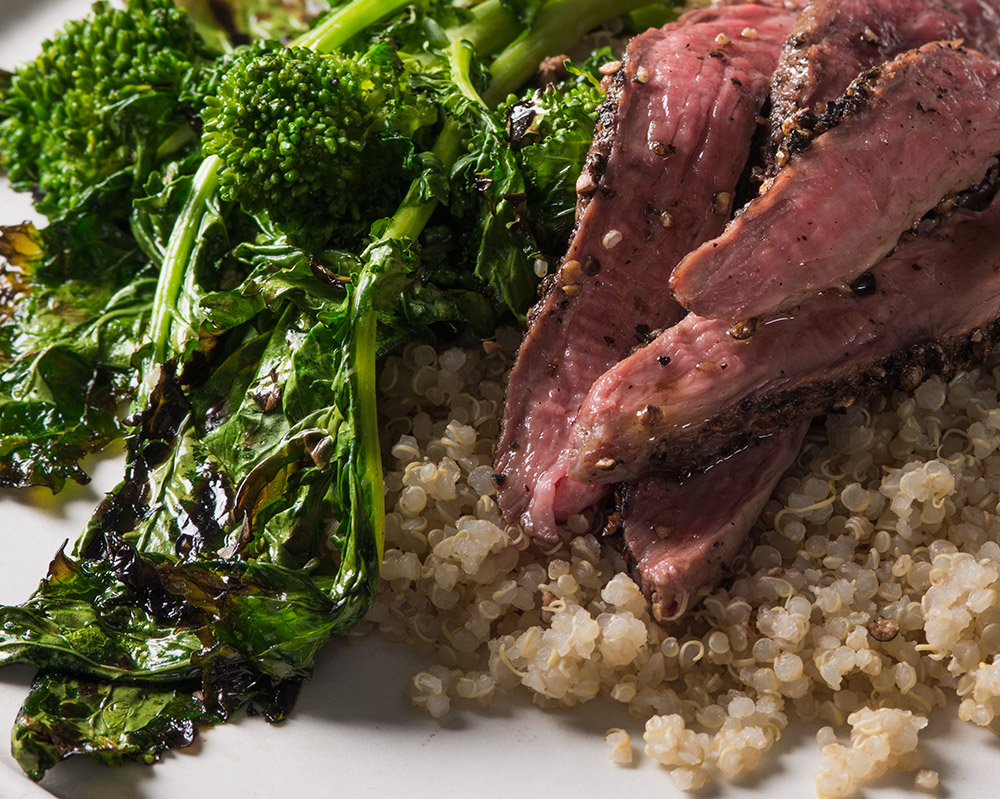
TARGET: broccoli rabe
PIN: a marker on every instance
(551, 130)
(300, 133)
(249, 526)
(100, 103)
(313, 135)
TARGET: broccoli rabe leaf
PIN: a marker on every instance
(209, 625)
(112, 618)
(502, 241)
(76, 295)
(423, 306)
(518, 180)
(550, 132)
(247, 531)
(65, 716)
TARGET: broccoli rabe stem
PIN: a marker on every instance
(409, 220)
(178, 255)
(346, 22)
(368, 473)
(558, 26)
(492, 26)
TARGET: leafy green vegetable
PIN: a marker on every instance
(228, 23)
(99, 105)
(264, 223)
(65, 716)
(526, 171)
(550, 132)
(66, 341)
(299, 132)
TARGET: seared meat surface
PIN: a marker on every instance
(682, 536)
(905, 135)
(699, 391)
(671, 143)
(836, 40)
(868, 261)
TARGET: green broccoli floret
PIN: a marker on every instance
(300, 133)
(100, 98)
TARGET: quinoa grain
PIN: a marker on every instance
(871, 588)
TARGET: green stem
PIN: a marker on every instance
(181, 137)
(346, 22)
(492, 26)
(410, 220)
(558, 26)
(460, 61)
(369, 471)
(178, 255)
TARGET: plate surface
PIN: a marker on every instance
(353, 733)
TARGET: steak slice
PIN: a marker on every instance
(671, 143)
(836, 40)
(907, 134)
(683, 536)
(702, 389)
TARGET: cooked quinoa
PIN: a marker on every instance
(870, 592)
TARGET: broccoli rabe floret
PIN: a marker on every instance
(301, 134)
(100, 99)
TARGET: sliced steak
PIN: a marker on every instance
(683, 536)
(906, 135)
(836, 40)
(702, 388)
(671, 143)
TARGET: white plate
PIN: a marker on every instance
(353, 733)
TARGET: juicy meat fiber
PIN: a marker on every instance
(906, 135)
(683, 536)
(835, 40)
(698, 391)
(672, 141)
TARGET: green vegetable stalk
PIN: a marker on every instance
(178, 256)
